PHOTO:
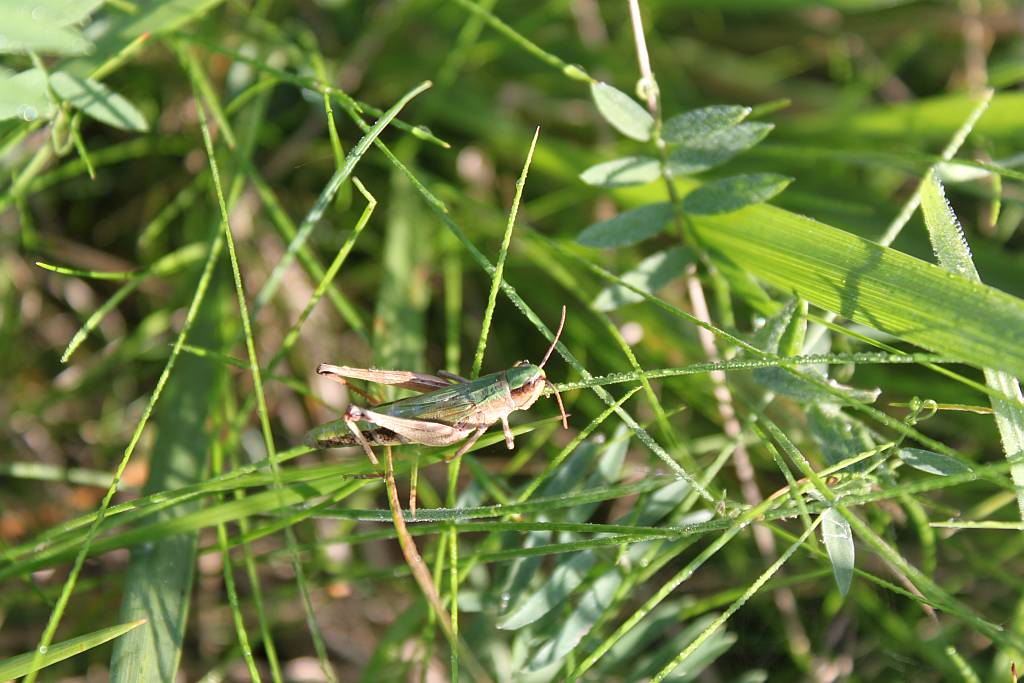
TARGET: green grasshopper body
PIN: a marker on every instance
(449, 409)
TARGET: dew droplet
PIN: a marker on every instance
(28, 112)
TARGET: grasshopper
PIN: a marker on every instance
(448, 410)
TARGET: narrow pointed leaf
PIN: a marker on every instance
(635, 170)
(733, 193)
(838, 537)
(624, 113)
(629, 227)
(692, 126)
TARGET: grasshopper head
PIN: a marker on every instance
(526, 382)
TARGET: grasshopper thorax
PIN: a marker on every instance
(526, 383)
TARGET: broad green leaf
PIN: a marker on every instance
(873, 285)
(636, 170)
(716, 149)
(624, 113)
(629, 227)
(733, 193)
(653, 273)
(20, 665)
(98, 101)
(838, 538)
(696, 124)
(597, 598)
(562, 582)
(22, 33)
(931, 462)
(951, 248)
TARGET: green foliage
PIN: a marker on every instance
(771, 407)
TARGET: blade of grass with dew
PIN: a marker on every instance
(27, 663)
(254, 366)
(925, 584)
(339, 177)
(159, 578)
(442, 212)
(453, 468)
(216, 245)
(733, 608)
(873, 285)
(951, 248)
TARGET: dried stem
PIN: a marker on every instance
(422, 575)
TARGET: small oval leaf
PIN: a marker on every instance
(932, 462)
(98, 101)
(634, 170)
(629, 227)
(691, 126)
(563, 581)
(838, 538)
(23, 95)
(653, 273)
(593, 603)
(716, 149)
(733, 193)
(623, 112)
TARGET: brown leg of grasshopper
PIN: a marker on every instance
(351, 387)
(509, 441)
(352, 415)
(468, 444)
(422, 574)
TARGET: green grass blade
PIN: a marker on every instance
(159, 577)
(24, 664)
(873, 285)
(951, 248)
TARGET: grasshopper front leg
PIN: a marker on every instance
(509, 441)
(351, 417)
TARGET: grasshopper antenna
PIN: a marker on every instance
(554, 342)
(561, 408)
